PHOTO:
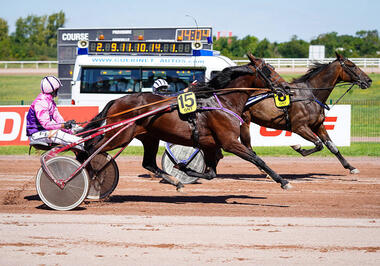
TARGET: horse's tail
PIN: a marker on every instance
(98, 120)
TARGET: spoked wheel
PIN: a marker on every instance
(75, 190)
(189, 156)
(103, 179)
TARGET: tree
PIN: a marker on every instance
(368, 43)
(5, 47)
(264, 49)
(249, 44)
(36, 36)
(3, 29)
(55, 21)
(294, 48)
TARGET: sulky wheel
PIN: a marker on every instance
(103, 179)
(75, 190)
(175, 154)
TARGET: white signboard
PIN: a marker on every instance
(316, 52)
(337, 123)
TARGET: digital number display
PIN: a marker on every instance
(140, 47)
(193, 34)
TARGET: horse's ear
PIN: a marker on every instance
(251, 57)
(338, 56)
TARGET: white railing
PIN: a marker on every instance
(306, 62)
(23, 63)
(276, 62)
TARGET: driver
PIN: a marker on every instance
(44, 124)
(160, 86)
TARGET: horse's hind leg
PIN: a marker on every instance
(211, 157)
(308, 134)
(243, 152)
(322, 133)
(245, 135)
(151, 145)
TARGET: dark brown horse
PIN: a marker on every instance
(305, 115)
(216, 129)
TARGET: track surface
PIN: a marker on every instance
(239, 218)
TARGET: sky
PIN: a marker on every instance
(275, 20)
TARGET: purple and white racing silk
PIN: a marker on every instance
(43, 115)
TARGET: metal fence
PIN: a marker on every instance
(276, 62)
(306, 62)
(28, 64)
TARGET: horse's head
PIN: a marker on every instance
(351, 73)
(267, 73)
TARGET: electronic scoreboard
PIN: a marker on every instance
(126, 41)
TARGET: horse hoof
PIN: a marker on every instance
(287, 186)
(180, 187)
(296, 147)
(354, 171)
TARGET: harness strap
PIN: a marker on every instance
(223, 109)
(287, 118)
(194, 129)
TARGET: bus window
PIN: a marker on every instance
(122, 80)
(178, 79)
(134, 81)
(111, 80)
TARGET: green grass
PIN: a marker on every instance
(15, 90)
(356, 149)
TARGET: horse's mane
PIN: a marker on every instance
(222, 79)
(313, 70)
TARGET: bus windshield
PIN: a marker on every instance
(130, 80)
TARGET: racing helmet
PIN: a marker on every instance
(50, 84)
(160, 85)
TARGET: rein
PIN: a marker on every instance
(324, 105)
(129, 110)
(343, 95)
(168, 99)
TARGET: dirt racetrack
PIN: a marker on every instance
(238, 218)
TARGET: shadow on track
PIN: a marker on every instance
(306, 176)
(190, 199)
(115, 199)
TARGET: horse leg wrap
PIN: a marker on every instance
(194, 129)
(331, 146)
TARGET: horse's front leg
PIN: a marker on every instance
(307, 134)
(324, 136)
(235, 147)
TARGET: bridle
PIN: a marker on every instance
(356, 78)
(264, 70)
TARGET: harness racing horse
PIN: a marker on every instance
(305, 115)
(220, 102)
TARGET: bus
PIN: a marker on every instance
(108, 69)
